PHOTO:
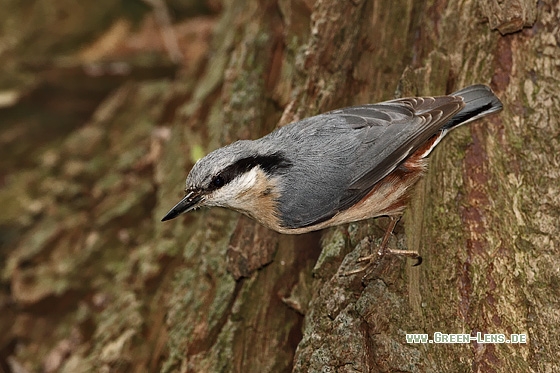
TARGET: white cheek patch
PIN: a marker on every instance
(230, 194)
(247, 180)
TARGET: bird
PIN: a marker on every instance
(338, 167)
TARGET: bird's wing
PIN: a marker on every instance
(361, 145)
(413, 122)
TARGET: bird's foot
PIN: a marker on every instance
(372, 261)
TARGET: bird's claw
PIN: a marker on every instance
(373, 261)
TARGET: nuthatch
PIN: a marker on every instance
(343, 166)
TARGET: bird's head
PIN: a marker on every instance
(240, 176)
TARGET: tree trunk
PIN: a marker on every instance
(100, 284)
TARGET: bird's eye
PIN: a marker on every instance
(218, 181)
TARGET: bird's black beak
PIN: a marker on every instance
(188, 203)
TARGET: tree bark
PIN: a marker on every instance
(100, 284)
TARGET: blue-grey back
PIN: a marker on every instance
(339, 156)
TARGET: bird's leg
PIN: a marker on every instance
(374, 258)
(382, 249)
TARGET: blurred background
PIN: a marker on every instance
(86, 98)
(106, 105)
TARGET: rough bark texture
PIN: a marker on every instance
(93, 281)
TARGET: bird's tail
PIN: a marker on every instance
(479, 102)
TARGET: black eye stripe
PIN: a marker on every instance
(269, 164)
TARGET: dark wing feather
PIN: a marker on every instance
(426, 116)
(361, 145)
